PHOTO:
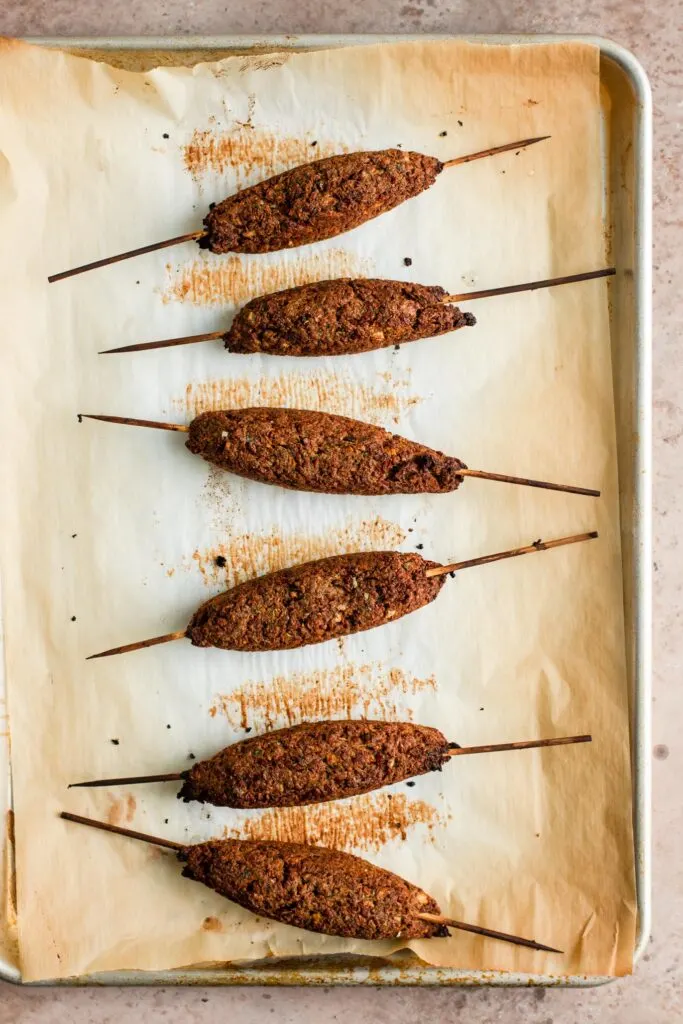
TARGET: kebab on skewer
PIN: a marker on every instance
(304, 450)
(313, 887)
(323, 600)
(317, 762)
(342, 316)
(312, 202)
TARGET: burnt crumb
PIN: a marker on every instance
(168, 726)
(460, 123)
(80, 418)
(165, 821)
(469, 319)
(115, 742)
(73, 618)
(410, 529)
(481, 709)
(73, 536)
(247, 728)
(452, 574)
(137, 282)
(397, 348)
(165, 135)
(407, 262)
(502, 172)
(419, 547)
(410, 783)
(221, 561)
(204, 999)
(191, 757)
(315, 142)
(443, 134)
(517, 152)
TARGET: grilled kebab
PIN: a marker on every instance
(313, 887)
(322, 600)
(316, 762)
(319, 451)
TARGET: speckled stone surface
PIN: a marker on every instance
(654, 32)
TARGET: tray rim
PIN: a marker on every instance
(424, 975)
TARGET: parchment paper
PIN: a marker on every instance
(110, 534)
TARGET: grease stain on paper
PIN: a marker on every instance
(234, 280)
(248, 150)
(121, 809)
(365, 822)
(247, 555)
(346, 691)
(316, 390)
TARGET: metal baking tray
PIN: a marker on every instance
(627, 140)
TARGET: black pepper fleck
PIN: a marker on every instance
(407, 262)
(419, 547)
(443, 134)
(410, 783)
(460, 123)
(221, 561)
(165, 135)
(73, 618)
(315, 142)
(168, 726)
(191, 757)
(165, 821)
(248, 729)
(115, 742)
(397, 348)
(73, 536)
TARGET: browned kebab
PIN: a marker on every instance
(313, 887)
(322, 600)
(344, 315)
(312, 202)
(319, 761)
(306, 450)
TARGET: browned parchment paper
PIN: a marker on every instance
(111, 534)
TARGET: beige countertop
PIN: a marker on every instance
(654, 32)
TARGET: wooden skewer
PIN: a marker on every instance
(529, 286)
(489, 933)
(180, 849)
(494, 150)
(440, 570)
(192, 236)
(525, 482)
(455, 751)
(539, 545)
(106, 827)
(145, 346)
(479, 473)
(494, 748)
(196, 235)
(127, 421)
(166, 639)
(132, 781)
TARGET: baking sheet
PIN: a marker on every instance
(456, 418)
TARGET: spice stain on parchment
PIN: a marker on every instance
(236, 280)
(121, 809)
(366, 822)
(319, 391)
(248, 150)
(247, 555)
(345, 691)
(212, 924)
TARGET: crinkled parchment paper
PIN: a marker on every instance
(110, 534)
